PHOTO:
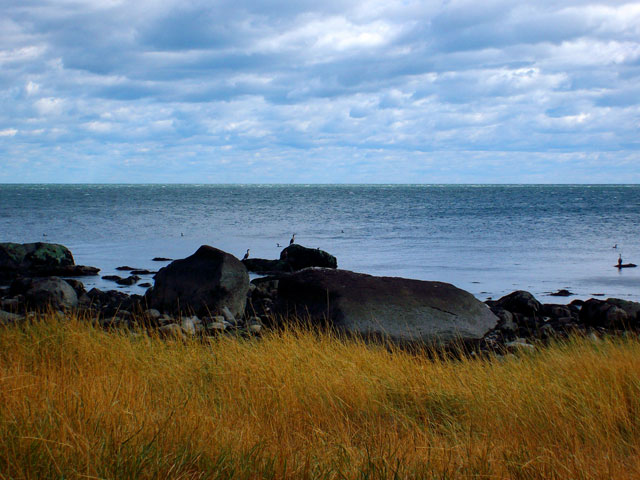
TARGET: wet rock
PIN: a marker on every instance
(562, 293)
(125, 268)
(161, 259)
(400, 309)
(130, 280)
(112, 278)
(145, 285)
(202, 284)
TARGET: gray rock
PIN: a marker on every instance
(214, 327)
(202, 284)
(152, 313)
(50, 292)
(519, 344)
(8, 318)
(404, 310)
(256, 328)
(191, 325)
(172, 331)
(506, 322)
(228, 316)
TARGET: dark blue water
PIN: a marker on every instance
(489, 240)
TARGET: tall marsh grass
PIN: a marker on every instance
(77, 402)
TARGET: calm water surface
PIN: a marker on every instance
(489, 240)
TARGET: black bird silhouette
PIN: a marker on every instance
(246, 255)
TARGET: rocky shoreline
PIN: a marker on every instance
(209, 293)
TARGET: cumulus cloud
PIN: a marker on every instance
(459, 91)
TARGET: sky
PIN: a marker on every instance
(380, 91)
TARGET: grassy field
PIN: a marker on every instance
(77, 402)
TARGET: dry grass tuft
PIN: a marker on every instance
(78, 402)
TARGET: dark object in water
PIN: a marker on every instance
(161, 259)
(562, 293)
(625, 265)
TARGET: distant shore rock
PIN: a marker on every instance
(400, 309)
(203, 283)
(39, 259)
(293, 258)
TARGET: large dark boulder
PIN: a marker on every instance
(50, 292)
(39, 259)
(299, 257)
(610, 313)
(403, 310)
(203, 284)
(519, 302)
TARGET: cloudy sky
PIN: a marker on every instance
(380, 91)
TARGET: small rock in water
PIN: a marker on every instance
(161, 259)
(562, 293)
(125, 268)
(145, 285)
(130, 280)
(113, 278)
(142, 272)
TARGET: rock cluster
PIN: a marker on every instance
(523, 320)
(209, 293)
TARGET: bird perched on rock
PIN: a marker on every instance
(246, 255)
(293, 238)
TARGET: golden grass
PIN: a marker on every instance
(77, 402)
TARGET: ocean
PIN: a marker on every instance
(487, 239)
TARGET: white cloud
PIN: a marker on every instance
(319, 88)
(49, 106)
(8, 132)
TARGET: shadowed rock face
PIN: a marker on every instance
(203, 284)
(401, 309)
(299, 257)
